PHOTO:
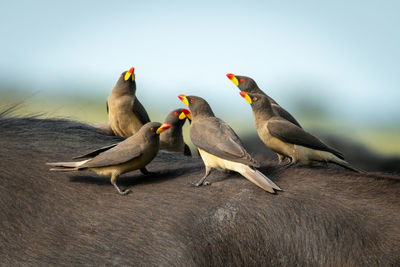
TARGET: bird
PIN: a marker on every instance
(219, 146)
(125, 112)
(131, 154)
(248, 85)
(288, 139)
(172, 140)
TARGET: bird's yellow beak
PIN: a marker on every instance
(185, 114)
(130, 73)
(246, 96)
(233, 79)
(184, 99)
(163, 127)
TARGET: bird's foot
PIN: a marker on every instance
(283, 162)
(125, 192)
(201, 183)
(204, 183)
(203, 179)
(122, 192)
(291, 164)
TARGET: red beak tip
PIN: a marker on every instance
(166, 126)
(230, 76)
(185, 111)
(243, 94)
(181, 96)
(131, 70)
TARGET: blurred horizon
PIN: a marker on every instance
(333, 65)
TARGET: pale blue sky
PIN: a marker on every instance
(346, 53)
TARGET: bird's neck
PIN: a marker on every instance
(124, 90)
(202, 116)
(151, 141)
(205, 112)
(263, 113)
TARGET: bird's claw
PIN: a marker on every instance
(125, 192)
(288, 165)
(200, 184)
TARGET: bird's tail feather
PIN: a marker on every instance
(61, 169)
(259, 179)
(346, 165)
(67, 165)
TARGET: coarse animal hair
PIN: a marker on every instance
(325, 216)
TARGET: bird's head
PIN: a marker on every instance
(152, 129)
(197, 105)
(185, 113)
(127, 80)
(255, 100)
(244, 83)
(178, 116)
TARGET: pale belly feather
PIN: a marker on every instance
(219, 163)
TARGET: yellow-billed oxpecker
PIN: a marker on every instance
(219, 146)
(125, 112)
(131, 154)
(172, 140)
(248, 85)
(288, 139)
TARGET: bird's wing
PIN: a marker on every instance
(121, 153)
(280, 111)
(290, 133)
(94, 153)
(139, 110)
(217, 138)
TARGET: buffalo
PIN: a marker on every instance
(325, 215)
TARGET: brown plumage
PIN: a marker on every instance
(172, 140)
(131, 154)
(288, 139)
(125, 112)
(248, 85)
(220, 147)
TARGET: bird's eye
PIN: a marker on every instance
(241, 80)
(176, 113)
(255, 98)
(191, 101)
(152, 130)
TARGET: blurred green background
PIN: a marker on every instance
(382, 138)
(333, 65)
